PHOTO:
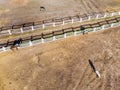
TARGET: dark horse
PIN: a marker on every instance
(16, 44)
(42, 8)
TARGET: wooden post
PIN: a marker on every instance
(9, 31)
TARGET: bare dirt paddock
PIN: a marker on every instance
(21, 11)
(63, 64)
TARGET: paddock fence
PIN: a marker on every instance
(64, 33)
(32, 26)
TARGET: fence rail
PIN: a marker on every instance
(31, 26)
(53, 35)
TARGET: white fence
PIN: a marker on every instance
(54, 24)
(65, 35)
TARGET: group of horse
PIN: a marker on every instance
(15, 45)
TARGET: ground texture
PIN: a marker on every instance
(22, 11)
(63, 64)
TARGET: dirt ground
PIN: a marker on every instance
(63, 64)
(21, 11)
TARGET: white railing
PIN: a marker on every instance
(65, 35)
(54, 24)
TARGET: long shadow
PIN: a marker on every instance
(92, 66)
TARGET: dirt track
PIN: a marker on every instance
(63, 64)
(21, 11)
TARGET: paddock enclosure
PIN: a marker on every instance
(62, 59)
(23, 11)
(64, 65)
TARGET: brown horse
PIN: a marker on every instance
(14, 48)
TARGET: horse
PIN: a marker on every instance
(14, 48)
(16, 44)
(42, 8)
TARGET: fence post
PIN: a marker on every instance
(63, 22)
(72, 20)
(43, 26)
(42, 40)
(21, 29)
(112, 25)
(4, 49)
(94, 29)
(112, 14)
(89, 17)
(75, 33)
(9, 31)
(80, 19)
(97, 16)
(103, 27)
(105, 15)
(54, 38)
(30, 43)
(65, 35)
(32, 28)
(53, 22)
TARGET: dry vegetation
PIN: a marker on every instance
(21, 11)
(63, 64)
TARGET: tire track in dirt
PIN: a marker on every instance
(96, 5)
(117, 83)
(90, 6)
(80, 79)
(87, 9)
(88, 78)
(107, 85)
